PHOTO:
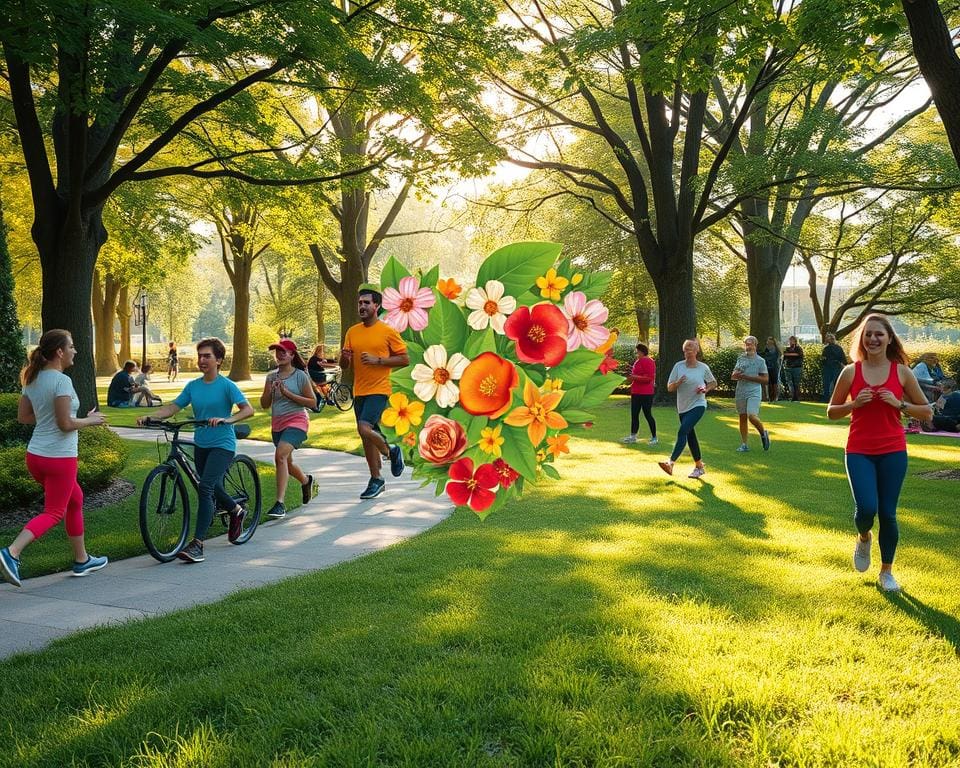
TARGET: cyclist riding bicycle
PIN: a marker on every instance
(212, 397)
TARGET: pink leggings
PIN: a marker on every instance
(61, 494)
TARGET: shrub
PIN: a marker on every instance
(12, 432)
(101, 458)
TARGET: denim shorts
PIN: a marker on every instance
(292, 435)
(370, 408)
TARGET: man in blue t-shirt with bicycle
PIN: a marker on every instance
(212, 397)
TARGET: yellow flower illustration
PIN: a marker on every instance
(576, 279)
(537, 413)
(490, 440)
(402, 413)
(552, 385)
(551, 285)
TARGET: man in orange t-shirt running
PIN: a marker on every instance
(372, 347)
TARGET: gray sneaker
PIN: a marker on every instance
(653, 441)
(861, 554)
(887, 583)
(277, 512)
(765, 439)
(92, 564)
(743, 448)
(697, 473)
(629, 439)
(374, 488)
(193, 552)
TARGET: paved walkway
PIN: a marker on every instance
(334, 527)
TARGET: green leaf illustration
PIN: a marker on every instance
(392, 272)
(447, 326)
(576, 368)
(479, 342)
(518, 452)
(518, 265)
(429, 279)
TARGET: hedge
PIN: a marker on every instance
(101, 458)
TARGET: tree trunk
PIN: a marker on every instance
(123, 315)
(104, 307)
(67, 273)
(678, 315)
(240, 361)
(938, 62)
(320, 309)
(764, 281)
(643, 323)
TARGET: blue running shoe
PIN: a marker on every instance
(396, 461)
(9, 567)
(92, 564)
(374, 488)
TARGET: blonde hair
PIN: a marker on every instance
(895, 351)
(43, 353)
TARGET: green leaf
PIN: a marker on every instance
(518, 265)
(598, 389)
(576, 368)
(550, 471)
(574, 416)
(518, 452)
(429, 280)
(392, 272)
(479, 342)
(447, 326)
(475, 428)
(573, 397)
(594, 284)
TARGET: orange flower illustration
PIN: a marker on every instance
(558, 444)
(537, 413)
(449, 288)
(486, 385)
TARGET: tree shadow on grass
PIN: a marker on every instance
(934, 620)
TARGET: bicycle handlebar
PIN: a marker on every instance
(241, 430)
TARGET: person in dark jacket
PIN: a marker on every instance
(122, 387)
(793, 366)
(771, 356)
(832, 358)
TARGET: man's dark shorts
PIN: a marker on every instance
(370, 408)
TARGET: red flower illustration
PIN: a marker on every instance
(474, 489)
(505, 473)
(540, 333)
(608, 363)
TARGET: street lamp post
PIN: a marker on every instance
(140, 318)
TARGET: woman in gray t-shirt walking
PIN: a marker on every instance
(691, 380)
(50, 403)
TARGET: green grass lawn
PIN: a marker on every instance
(616, 618)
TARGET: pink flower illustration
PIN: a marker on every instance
(585, 321)
(408, 305)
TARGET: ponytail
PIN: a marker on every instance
(297, 362)
(43, 353)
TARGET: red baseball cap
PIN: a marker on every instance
(287, 344)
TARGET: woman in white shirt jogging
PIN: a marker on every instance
(50, 402)
(691, 380)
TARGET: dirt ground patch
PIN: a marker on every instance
(118, 490)
(942, 474)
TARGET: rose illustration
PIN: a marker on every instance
(442, 440)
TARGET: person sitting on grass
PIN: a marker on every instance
(287, 392)
(946, 411)
(144, 395)
(929, 375)
(122, 387)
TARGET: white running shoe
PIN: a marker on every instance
(861, 554)
(629, 439)
(743, 448)
(653, 441)
(887, 582)
(697, 473)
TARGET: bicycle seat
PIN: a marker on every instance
(242, 430)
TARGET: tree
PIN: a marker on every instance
(112, 87)
(934, 49)
(12, 356)
(622, 74)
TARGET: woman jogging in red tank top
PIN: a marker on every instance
(875, 390)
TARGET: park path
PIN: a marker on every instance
(334, 527)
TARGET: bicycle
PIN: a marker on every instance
(165, 506)
(333, 392)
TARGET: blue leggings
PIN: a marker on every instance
(212, 464)
(686, 434)
(875, 481)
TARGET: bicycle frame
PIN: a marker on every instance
(177, 455)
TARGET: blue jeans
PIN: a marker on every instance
(875, 481)
(212, 464)
(687, 435)
(830, 376)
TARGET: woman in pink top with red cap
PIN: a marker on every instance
(875, 390)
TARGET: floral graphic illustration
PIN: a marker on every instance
(436, 375)
(407, 305)
(500, 373)
(490, 307)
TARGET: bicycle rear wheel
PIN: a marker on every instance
(242, 482)
(343, 397)
(164, 513)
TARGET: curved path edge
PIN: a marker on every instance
(334, 527)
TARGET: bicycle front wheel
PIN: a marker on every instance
(242, 482)
(164, 513)
(343, 397)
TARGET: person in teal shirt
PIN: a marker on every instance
(212, 397)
